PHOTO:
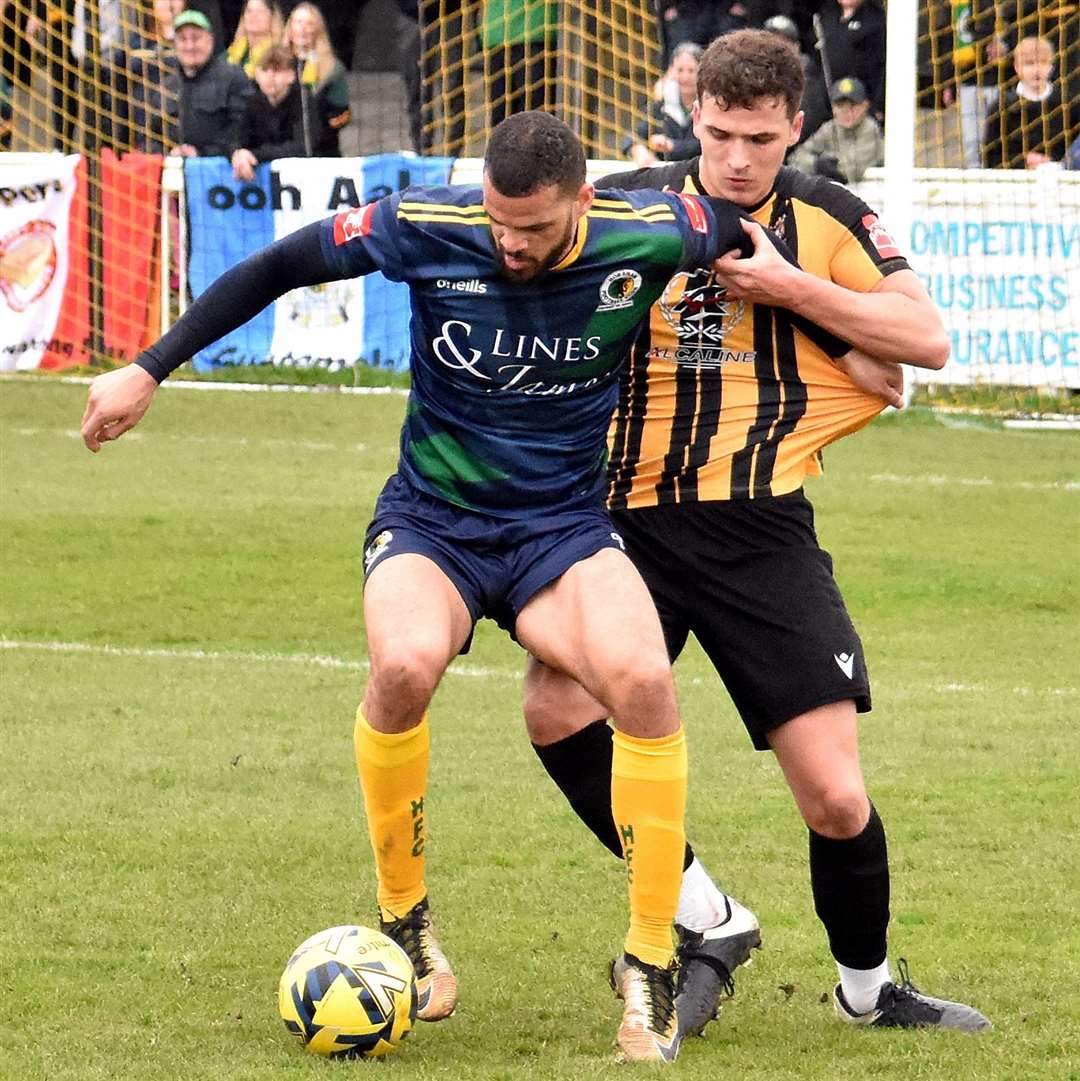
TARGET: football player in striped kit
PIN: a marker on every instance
(723, 411)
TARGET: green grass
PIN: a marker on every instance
(174, 822)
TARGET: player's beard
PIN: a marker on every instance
(539, 267)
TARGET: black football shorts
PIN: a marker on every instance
(748, 579)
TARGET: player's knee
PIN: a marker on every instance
(641, 686)
(405, 673)
(839, 811)
(540, 707)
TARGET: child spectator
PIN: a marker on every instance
(322, 78)
(668, 133)
(272, 125)
(846, 146)
(1028, 127)
(260, 28)
(212, 92)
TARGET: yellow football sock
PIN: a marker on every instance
(393, 769)
(648, 800)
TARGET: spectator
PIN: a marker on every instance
(322, 80)
(1051, 19)
(1072, 155)
(815, 98)
(151, 62)
(260, 28)
(212, 10)
(1028, 127)
(272, 125)
(853, 33)
(5, 113)
(699, 21)
(519, 55)
(846, 146)
(976, 56)
(668, 133)
(212, 93)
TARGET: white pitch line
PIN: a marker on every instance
(314, 660)
(937, 480)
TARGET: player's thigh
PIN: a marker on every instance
(818, 752)
(776, 629)
(597, 623)
(414, 616)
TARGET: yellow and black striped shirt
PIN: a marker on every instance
(725, 400)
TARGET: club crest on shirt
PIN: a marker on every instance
(377, 548)
(699, 311)
(618, 290)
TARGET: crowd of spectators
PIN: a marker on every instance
(1012, 70)
(186, 79)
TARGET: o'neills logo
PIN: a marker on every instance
(698, 309)
(27, 263)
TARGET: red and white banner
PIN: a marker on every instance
(37, 194)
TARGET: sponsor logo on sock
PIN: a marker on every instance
(846, 662)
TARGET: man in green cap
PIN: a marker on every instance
(211, 92)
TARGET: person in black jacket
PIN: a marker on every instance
(854, 46)
(273, 124)
(212, 92)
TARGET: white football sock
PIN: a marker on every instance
(861, 986)
(702, 904)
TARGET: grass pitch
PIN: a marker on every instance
(182, 655)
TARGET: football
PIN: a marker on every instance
(348, 992)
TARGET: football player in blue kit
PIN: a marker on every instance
(526, 296)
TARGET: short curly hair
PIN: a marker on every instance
(742, 68)
(532, 150)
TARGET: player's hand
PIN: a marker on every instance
(661, 143)
(882, 378)
(765, 277)
(117, 402)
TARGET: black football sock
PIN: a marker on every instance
(581, 766)
(850, 881)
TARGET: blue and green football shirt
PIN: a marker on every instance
(514, 383)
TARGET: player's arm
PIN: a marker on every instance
(324, 251)
(895, 320)
(732, 236)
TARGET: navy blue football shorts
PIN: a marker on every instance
(748, 579)
(496, 564)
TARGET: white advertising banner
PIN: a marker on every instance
(999, 253)
(35, 203)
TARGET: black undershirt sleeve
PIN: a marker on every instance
(241, 292)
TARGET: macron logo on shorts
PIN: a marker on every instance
(846, 661)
